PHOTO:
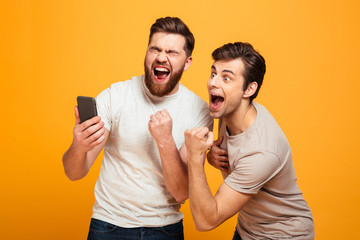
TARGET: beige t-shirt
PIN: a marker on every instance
(261, 164)
(130, 190)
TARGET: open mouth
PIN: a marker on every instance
(216, 101)
(161, 73)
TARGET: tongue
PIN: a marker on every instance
(161, 75)
(218, 101)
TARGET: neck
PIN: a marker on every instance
(176, 88)
(241, 119)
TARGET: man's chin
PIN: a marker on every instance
(215, 114)
(158, 89)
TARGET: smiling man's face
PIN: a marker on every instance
(165, 62)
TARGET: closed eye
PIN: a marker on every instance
(155, 49)
(172, 52)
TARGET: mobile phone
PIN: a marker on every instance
(86, 107)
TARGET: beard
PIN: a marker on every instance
(162, 89)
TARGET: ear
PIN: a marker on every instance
(251, 89)
(187, 63)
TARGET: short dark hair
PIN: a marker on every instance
(174, 25)
(255, 67)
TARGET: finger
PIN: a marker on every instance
(158, 115)
(96, 135)
(203, 132)
(77, 116)
(219, 151)
(89, 140)
(152, 118)
(210, 138)
(165, 113)
(218, 141)
(98, 141)
(224, 153)
(88, 123)
(195, 132)
(224, 164)
(219, 166)
(224, 169)
(221, 159)
(92, 125)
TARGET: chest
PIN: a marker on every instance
(130, 122)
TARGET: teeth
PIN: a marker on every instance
(215, 97)
(161, 69)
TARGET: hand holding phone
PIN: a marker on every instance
(91, 133)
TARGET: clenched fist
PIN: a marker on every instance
(197, 142)
(160, 126)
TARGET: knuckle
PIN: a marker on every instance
(85, 124)
(88, 131)
(93, 137)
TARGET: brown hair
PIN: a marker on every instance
(255, 67)
(174, 25)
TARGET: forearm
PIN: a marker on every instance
(75, 163)
(203, 206)
(174, 171)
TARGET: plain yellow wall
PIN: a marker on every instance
(53, 51)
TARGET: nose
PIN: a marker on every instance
(213, 82)
(161, 57)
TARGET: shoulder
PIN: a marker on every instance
(191, 97)
(264, 118)
(120, 87)
(123, 85)
(270, 134)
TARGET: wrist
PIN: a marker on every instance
(77, 149)
(196, 159)
(165, 142)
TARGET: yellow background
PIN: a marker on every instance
(53, 51)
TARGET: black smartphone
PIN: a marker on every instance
(86, 107)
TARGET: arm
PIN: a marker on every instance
(208, 211)
(88, 141)
(174, 165)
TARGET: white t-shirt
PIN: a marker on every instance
(130, 190)
(261, 164)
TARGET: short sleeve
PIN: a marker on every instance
(251, 173)
(103, 104)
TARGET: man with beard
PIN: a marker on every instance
(260, 184)
(143, 178)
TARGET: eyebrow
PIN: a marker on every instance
(167, 51)
(224, 71)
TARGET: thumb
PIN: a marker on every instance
(77, 117)
(219, 141)
(210, 138)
